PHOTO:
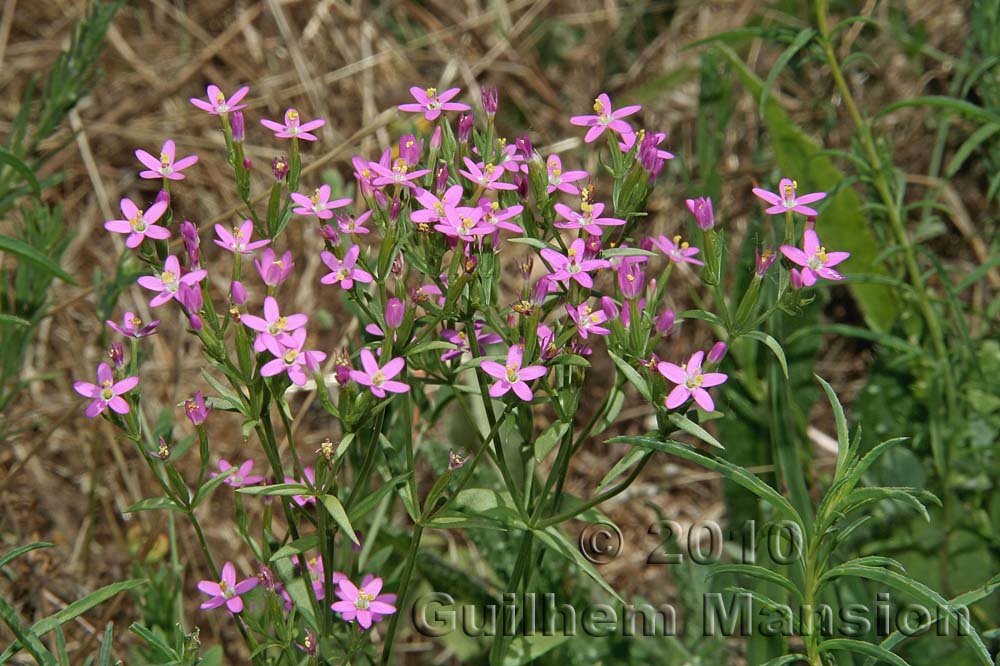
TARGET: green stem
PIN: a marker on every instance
(404, 584)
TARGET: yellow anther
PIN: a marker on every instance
(431, 92)
(598, 107)
(164, 159)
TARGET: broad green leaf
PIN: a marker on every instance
(453, 520)
(339, 515)
(371, 500)
(431, 346)
(894, 579)
(627, 252)
(860, 647)
(154, 641)
(25, 252)
(692, 428)
(494, 504)
(843, 221)
(958, 106)
(549, 438)
(632, 375)
(211, 485)
(627, 461)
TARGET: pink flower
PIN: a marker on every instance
(763, 260)
(701, 209)
(691, 381)
(274, 271)
(434, 209)
(238, 241)
(487, 175)
(318, 204)
(588, 320)
(290, 357)
(431, 104)
(461, 340)
(132, 326)
(677, 251)
(786, 200)
(589, 220)
(816, 262)
(496, 218)
(379, 380)
(560, 180)
(138, 224)
(344, 271)
(465, 223)
(353, 225)
(168, 282)
(573, 266)
(606, 118)
(241, 477)
(273, 324)
(365, 605)
(106, 392)
(217, 103)
(310, 477)
(196, 410)
(513, 376)
(227, 591)
(292, 129)
(165, 167)
(399, 174)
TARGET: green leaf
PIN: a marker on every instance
(692, 428)
(843, 440)
(281, 489)
(453, 520)
(25, 252)
(627, 252)
(860, 647)
(549, 438)
(570, 359)
(153, 504)
(371, 500)
(554, 539)
(339, 515)
(756, 571)
(533, 242)
(730, 471)
(431, 346)
(300, 545)
(773, 345)
(894, 579)
(211, 485)
(104, 656)
(154, 641)
(632, 375)
(22, 169)
(25, 637)
(525, 649)
(787, 659)
(846, 226)
(627, 461)
(948, 103)
(11, 319)
(805, 36)
(21, 550)
(493, 504)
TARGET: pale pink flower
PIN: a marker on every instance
(365, 605)
(435, 210)
(106, 392)
(274, 271)
(588, 320)
(238, 240)
(353, 225)
(217, 103)
(573, 265)
(487, 176)
(815, 261)
(589, 219)
(512, 376)
(606, 118)
(399, 174)
(562, 180)
(496, 218)
(169, 281)
(273, 324)
(431, 103)
(691, 382)
(786, 199)
(132, 327)
(227, 591)
(290, 357)
(676, 250)
(464, 222)
(241, 477)
(379, 380)
(318, 204)
(293, 127)
(165, 167)
(344, 271)
(139, 224)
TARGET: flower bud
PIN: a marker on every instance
(795, 278)
(763, 260)
(395, 209)
(330, 234)
(464, 127)
(490, 99)
(441, 179)
(189, 234)
(163, 197)
(542, 289)
(523, 144)
(342, 371)
(247, 163)
(395, 311)
(239, 126)
(609, 307)
(279, 167)
(396, 267)
(593, 247)
(717, 352)
(237, 293)
(117, 355)
(359, 535)
(162, 452)
(196, 322)
(665, 322)
(410, 149)
(631, 279)
(522, 184)
(436, 139)
(701, 209)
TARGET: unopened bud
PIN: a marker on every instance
(717, 352)
(395, 312)
(237, 293)
(239, 126)
(279, 167)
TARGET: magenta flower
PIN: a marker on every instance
(562, 180)
(217, 103)
(399, 174)
(227, 591)
(238, 241)
(344, 271)
(290, 357)
(589, 220)
(606, 118)
(379, 380)
(431, 104)
(241, 477)
(588, 320)
(573, 266)
(318, 204)
(465, 223)
(168, 282)
(786, 200)
(132, 326)
(701, 209)
(461, 340)
(496, 218)
(273, 324)
(274, 271)
(365, 605)
(512, 375)
(139, 224)
(763, 260)
(106, 392)
(165, 167)
(487, 176)
(435, 210)
(815, 261)
(353, 225)
(691, 382)
(293, 128)
(196, 410)
(677, 251)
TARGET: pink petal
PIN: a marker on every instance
(214, 602)
(532, 372)
(271, 125)
(86, 389)
(673, 372)
(119, 405)
(710, 379)
(147, 160)
(368, 362)
(703, 399)
(185, 162)
(795, 254)
(118, 226)
(810, 242)
(392, 368)
(677, 397)
(494, 369)
(500, 388)
(522, 391)
(209, 587)
(235, 605)
(769, 197)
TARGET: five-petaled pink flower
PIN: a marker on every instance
(486, 175)
(353, 225)
(165, 167)
(106, 392)
(815, 261)
(434, 209)
(238, 240)
(691, 381)
(676, 250)
(379, 380)
(572, 265)
(273, 324)
(365, 605)
(431, 103)
(241, 477)
(589, 219)
(227, 591)
(786, 199)
(588, 320)
(293, 127)
(217, 103)
(274, 271)
(512, 375)
(606, 118)
(132, 327)
(562, 180)
(318, 204)
(464, 222)
(168, 282)
(290, 357)
(344, 271)
(139, 224)
(399, 174)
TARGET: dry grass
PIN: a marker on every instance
(67, 480)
